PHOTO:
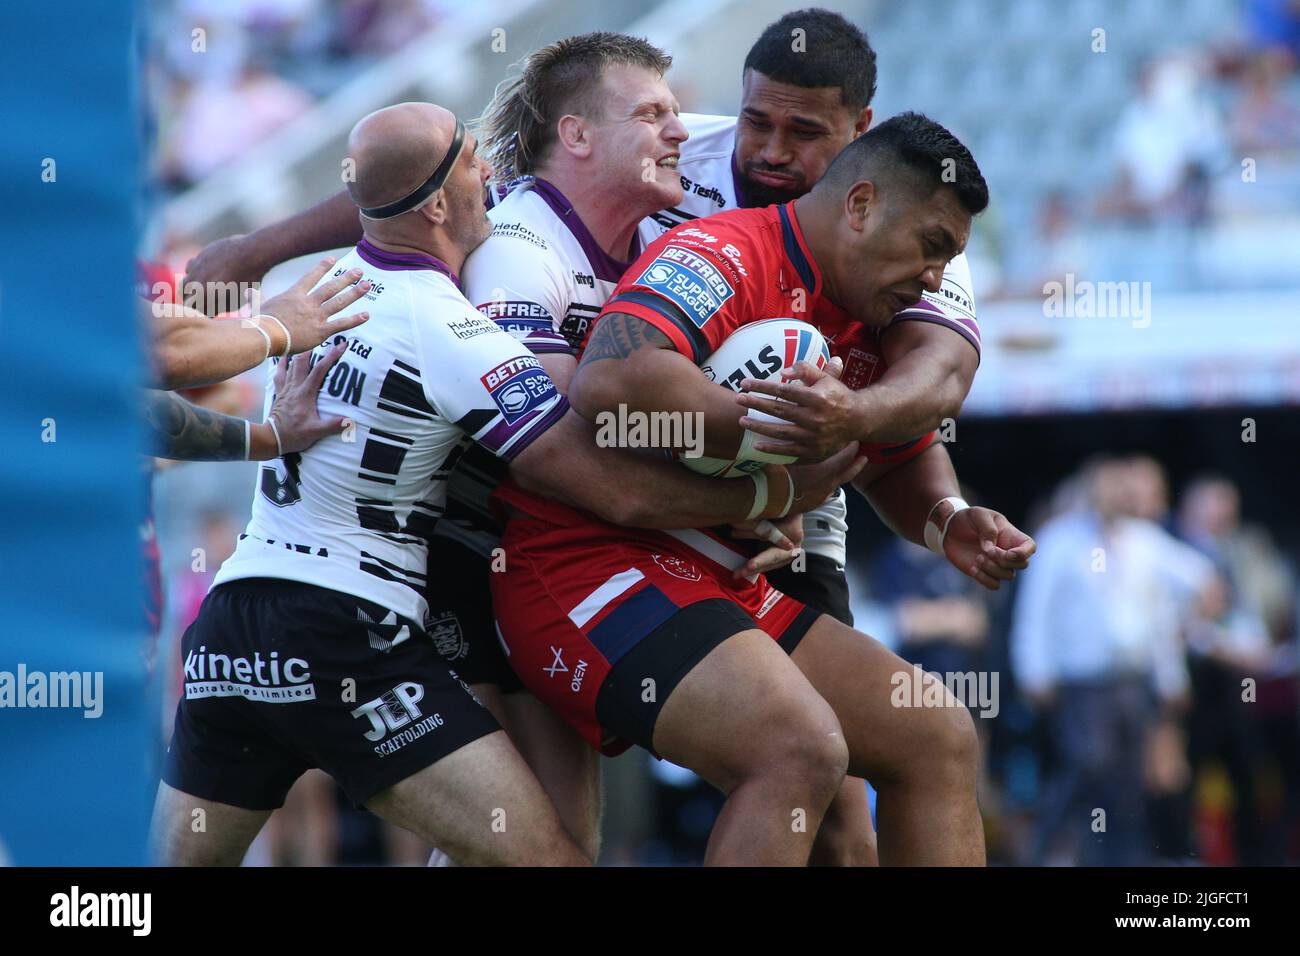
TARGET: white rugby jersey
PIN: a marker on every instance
(541, 275)
(422, 377)
(543, 278)
(711, 185)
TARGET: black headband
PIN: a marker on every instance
(428, 188)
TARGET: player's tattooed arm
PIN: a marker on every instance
(651, 376)
(187, 432)
(618, 335)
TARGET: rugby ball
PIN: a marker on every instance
(758, 350)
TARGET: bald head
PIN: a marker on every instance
(396, 149)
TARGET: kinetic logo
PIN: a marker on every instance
(269, 681)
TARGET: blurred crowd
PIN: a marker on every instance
(264, 61)
(1150, 700)
(1204, 172)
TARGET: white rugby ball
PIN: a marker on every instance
(758, 350)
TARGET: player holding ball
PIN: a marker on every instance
(655, 640)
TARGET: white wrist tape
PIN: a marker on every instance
(275, 430)
(288, 339)
(936, 524)
(248, 439)
(759, 478)
(789, 497)
(747, 452)
(252, 324)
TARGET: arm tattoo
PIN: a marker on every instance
(186, 432)
(618, 335)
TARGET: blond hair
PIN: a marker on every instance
(519, 125)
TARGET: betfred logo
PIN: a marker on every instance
(507, 370)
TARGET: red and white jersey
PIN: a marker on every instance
(423, 376)
(711, 185)
(701, 282)
(705, 279)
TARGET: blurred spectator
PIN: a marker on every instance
(1275, 25)
(378, 27)
(1229, 645)
(1058, 247)
(1264, 122)
(1095, 643)
(219, 122)
(1167, 143)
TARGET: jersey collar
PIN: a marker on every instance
(402, 261)
(605, 266)
(796, 250)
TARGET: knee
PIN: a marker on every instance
(940, 745)
(846, 837)
(807, 747)
(956, 745)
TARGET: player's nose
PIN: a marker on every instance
(675, 131)
(932, 278)
(775, 151)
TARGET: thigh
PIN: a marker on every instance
(568, 769)
(190, 831)
(874, 694)
(481, 805)
(311, 677)
(739, 707)
(570, 615)
(574, 607)
(222, 749)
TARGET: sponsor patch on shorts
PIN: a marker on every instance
(690, 281)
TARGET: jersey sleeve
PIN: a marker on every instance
(692, 286)
(952, 306)
(520, 287)
(485, 381)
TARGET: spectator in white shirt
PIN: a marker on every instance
(1096, 643)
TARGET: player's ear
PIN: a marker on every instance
(859, 203)
(435, 210)
(862, 123)
(572, 133)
